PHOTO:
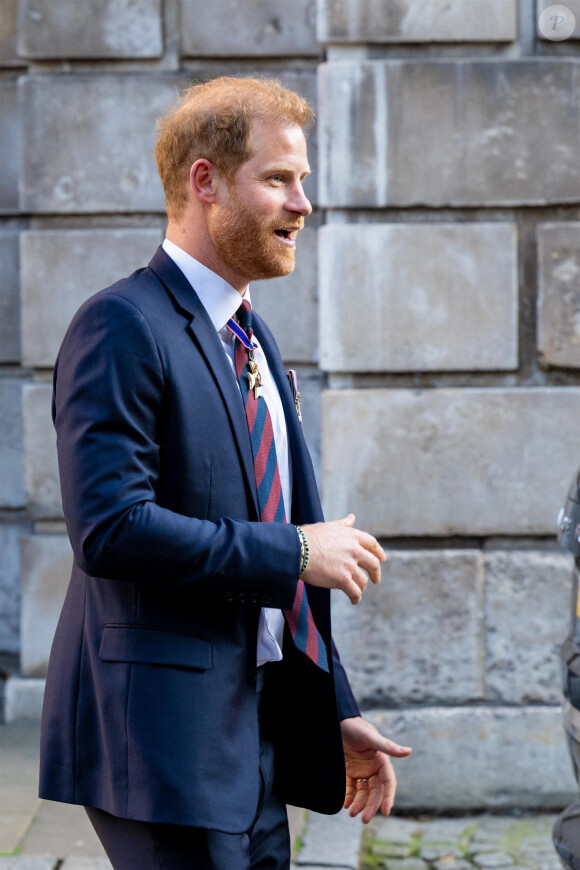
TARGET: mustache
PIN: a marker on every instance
(290, 223)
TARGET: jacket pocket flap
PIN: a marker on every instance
(154, 646)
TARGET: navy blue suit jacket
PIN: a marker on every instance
(150, 709)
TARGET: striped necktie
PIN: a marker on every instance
(270, 500)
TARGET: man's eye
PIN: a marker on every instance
(277, 179)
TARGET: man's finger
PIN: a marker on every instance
(361, 579)
(349, 794)
(389, 790)
(371, 544)
(389, 780)
(389, 747)
(371, 565)
(352, 590)
(348, 520)
(361, 797)
(374, 799)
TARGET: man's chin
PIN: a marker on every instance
(272, 269)
(283, 266)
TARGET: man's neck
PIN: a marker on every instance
(199, 246)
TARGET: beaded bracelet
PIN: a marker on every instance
(304, 550)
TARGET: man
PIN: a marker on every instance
(193, 688)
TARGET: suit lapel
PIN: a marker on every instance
(305, 501)
(207, 340)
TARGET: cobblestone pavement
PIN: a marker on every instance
(42, 835)
(517, 843)
(469, 843)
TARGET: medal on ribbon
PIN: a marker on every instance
(254, 376)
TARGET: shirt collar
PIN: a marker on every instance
(220, 299)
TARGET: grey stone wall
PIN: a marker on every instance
(434, 319)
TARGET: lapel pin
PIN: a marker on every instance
(293, 380)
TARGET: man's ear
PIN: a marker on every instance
(204, 180)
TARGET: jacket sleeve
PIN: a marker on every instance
(108, 396)
(347, 705)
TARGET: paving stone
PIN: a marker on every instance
(8, 17)
(493, 828)
(449, 461)
(546, 851)
(444, 830)
(493, 859)
(559, 294)
(393, 652)
(452, 864)
(42, 480)
(62, 268)
(432, 853)
(81, 29)
(390, 850)
(416, 21)
(9, 298)
(332, 841)
(83, 863)
(509, 834)
(19, 783)
(11, 439)
(538, 846)
(102, 135)
(270, 29)
(28, 862)
(12, 828)
(297, 821)
(527, 612)
(289, 305)
(10, 146)
(404, 864)
(530, 768)
(395, 829)
(46, 567)
(499, 132)
(64, 829)
(453, 307)
(10, 589)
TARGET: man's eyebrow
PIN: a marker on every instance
(280, 167)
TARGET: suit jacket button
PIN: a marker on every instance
(229, 596)
(266, 599)
(254, 598)
(241, 597)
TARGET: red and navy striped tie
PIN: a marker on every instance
(270, 500)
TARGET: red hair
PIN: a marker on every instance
(214, 121)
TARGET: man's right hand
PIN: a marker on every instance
(342, 557)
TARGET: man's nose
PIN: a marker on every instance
(298, 202)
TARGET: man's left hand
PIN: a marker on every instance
(370, 778)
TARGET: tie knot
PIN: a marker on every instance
(244, 315)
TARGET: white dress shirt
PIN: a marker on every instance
(221, 301)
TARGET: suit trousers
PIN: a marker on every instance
(135, 845)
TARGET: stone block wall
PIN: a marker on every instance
(433, 317)
(449, 282)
